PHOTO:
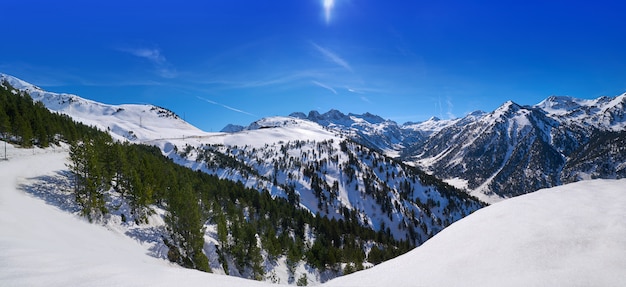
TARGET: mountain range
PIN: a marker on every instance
(512, 150)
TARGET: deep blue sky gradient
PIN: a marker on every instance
(219, 62)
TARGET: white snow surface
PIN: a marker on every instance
(571, 235)
(41, 245)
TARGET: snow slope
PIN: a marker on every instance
(571, 235)
(41, 245)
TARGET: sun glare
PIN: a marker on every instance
(328, 7)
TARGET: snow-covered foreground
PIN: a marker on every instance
(572, 235)
(41, 245)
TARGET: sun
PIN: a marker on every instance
(328, 7)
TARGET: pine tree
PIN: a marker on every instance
(185, 227)
(4, 123)
(88, 179)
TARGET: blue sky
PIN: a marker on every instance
(220, 62)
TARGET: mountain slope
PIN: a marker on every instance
(494, 152)
(42, 245)
(511, 151)
(329, 175)
(571, 235)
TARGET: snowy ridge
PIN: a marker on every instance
(131, 122)
(429, 126)
(493, 154)
(604, 113)
(540, 239)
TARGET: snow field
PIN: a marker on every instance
(571, 235)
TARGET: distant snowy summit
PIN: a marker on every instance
(230, 128)
(335, 117)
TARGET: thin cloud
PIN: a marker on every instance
(351, 90)
(325, 86)
(332, 57)
(226, 107)
(153, 55)
(292, 77)
(450, 107)
(162, 67)
(365, 99)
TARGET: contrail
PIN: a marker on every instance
(226, 107)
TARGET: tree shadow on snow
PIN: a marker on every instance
(54, 189)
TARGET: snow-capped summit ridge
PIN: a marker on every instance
(559, 104)
(18, 83)
(132, 122)
(336, 117)
(369, 117)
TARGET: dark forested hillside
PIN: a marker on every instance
(29, 123)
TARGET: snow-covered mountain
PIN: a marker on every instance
(135, 123)
(519, 149)
(604, 113)
(329, 174)
(368, 129)
(311, 165)
(511, 151)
